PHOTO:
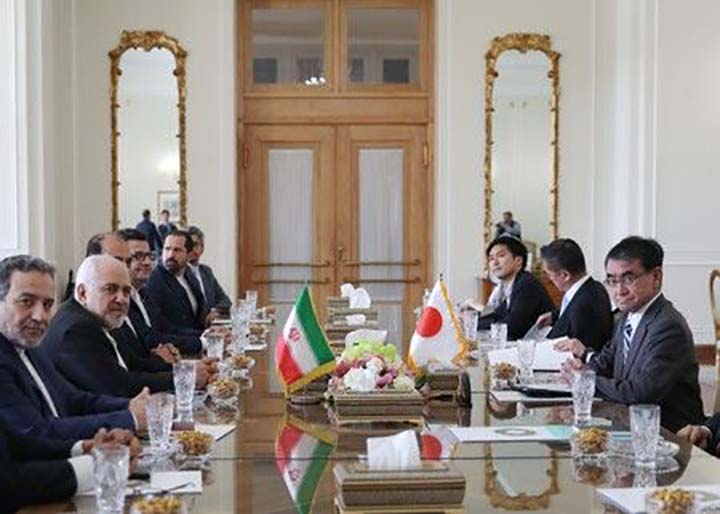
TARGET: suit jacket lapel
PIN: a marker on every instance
(29, 384)
(639, 339)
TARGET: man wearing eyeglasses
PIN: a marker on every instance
(651, 357)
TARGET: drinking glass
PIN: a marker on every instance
(583, 391)
(251, 297)
(215, 346)
(240, 325)
(159, 419)
(526, 357)
(184, 378)
(645, 428)
(111, 465)
(498, 335)
(470, 322)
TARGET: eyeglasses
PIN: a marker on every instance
(126, 262)
(141, 256)
(627, 279)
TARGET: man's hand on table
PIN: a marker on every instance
(573, 346)
(698, 435)
(137, 408)
(544, 320)
(206, 370)
(167, 352)
(212, 316)
(570, 367)
(115, 438)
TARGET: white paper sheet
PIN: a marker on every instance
(632, 499)
(512, 433)
(546, 357)
(217, 431)
(518, 397)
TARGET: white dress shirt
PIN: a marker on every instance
(38, 381)
(135, 297)
(121, 362)
(570, 293)
(193, 301)
(198, 275)
(634, 318)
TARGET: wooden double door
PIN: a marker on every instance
(329, 204)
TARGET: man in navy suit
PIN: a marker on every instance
(35, 399)
(215, 296)
(519, 299)
(585, 313)
(79, 342)
(147, 227)
(173, 288)
(144, 316)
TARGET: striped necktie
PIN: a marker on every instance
(627, 339)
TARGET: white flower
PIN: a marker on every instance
(375, 365)
(404, 383)
(360, 380)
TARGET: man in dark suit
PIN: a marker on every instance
(37, 470)
(651, 357)
(35, 399)
(214, 294)
(147, 227)
(173, 288)
(585, 313)
(80, 345)
(165, 226)
(519, 298)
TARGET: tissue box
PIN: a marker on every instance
(444, 383)
(380, 405)
(340, 330)
(314, 392)
(352, 438)
(435, 485)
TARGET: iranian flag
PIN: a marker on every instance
(302, 351)
(437, 336)
(301, 459)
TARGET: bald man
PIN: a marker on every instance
(79, 340)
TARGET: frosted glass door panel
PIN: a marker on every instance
(380, 231)
(291, 218)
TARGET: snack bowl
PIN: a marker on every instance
(165, 504)
(672, 500)
(503, 374)
(590, 444)
(223, 392)
(591, 473)
(194, 448)
(241, 361)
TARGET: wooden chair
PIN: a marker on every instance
(714, 294)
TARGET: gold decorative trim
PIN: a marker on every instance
(522, 42)
(147, 40)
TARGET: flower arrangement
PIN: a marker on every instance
(370, 366)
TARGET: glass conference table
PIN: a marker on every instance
(253, 471)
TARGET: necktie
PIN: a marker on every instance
(627, 339)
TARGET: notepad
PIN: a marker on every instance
(512, 433)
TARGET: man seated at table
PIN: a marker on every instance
(585, 313)
(519, 298)
(144, 320)
(651, 357)
(80, 345)
(35, 399)
(215, 297)
(36, 470)
(175, 290)
(155, 358)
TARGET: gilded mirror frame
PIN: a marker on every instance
(523, 43)
(147, 40)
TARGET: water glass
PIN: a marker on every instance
(251, 297)
(184, 378)
(241, 315)
(215, 348)
(526, 357)
(111, 465)
(498, 335)
(159, 419)
(583, 391)
(470, 323)
(645, 428)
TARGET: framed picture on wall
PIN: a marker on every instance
(169, 200)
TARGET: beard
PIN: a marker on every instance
(27, 335)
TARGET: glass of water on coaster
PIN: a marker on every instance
(159, 421)
(184, 378)
(526, 357)
(111, 464)
(583, 392)
(215, 346)
(645, 430)
(498, 335)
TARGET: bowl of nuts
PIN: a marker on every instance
(242, 362)
(223, 392)
(590, 443)
(503, 374)
(168, 504)
(195, 447)
(669, 500)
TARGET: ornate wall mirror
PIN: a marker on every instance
(147, 103)
(521, 136)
